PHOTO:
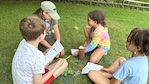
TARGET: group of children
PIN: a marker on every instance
(40, 31)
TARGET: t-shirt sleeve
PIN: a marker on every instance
(122, 72)
(38, 66)
(55, 22)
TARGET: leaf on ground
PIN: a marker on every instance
(76, 28)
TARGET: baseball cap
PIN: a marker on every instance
(50, 8)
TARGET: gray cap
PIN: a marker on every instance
(50, 8)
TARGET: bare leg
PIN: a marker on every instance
(87, 34)
(116, 64)
(102, 77)
(97, 55)
(99, 77)
(60, 70)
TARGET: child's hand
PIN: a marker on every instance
(59, 63)
(57, 56)
(85, 44)
(62, 52)
(75, 53)
(105, 70)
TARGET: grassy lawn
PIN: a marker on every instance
(73, 18)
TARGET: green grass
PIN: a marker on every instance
(119, 22)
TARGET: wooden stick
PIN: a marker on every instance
(68, 57)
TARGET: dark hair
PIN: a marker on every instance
(145, 42)
(135, 37)
(31, 27)
(99, 16)
(140, 38)
(39, 13)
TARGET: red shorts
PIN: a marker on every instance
(50, 79)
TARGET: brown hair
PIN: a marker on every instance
(99, 16)
(39, 13)
(31, 27)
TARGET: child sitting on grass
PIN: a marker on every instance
(49, 14)
(131, 71)
(97, 38)
(28, 65)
